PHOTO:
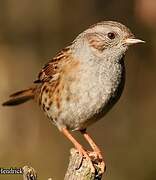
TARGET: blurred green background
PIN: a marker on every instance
(31, 32)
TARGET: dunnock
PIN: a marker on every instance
(83, 81)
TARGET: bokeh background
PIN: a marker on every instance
(31, 32)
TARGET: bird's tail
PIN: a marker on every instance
(20, 97)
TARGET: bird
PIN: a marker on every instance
(83, 81)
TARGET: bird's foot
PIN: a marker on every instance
(86, 154)
(97, 159)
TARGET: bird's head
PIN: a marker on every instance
(107, 39)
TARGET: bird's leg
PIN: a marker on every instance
(92, 144)
(78, 146)
(95, 149)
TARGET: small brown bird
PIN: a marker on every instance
(83, 81)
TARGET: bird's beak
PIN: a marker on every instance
(131, 41)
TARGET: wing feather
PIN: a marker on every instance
(51, 70)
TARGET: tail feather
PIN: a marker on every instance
(20, 97)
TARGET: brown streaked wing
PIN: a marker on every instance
(52, 68)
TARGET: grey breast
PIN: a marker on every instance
(94, 94)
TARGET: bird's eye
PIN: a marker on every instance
(111, 35)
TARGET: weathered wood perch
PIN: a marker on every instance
(78, 168)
